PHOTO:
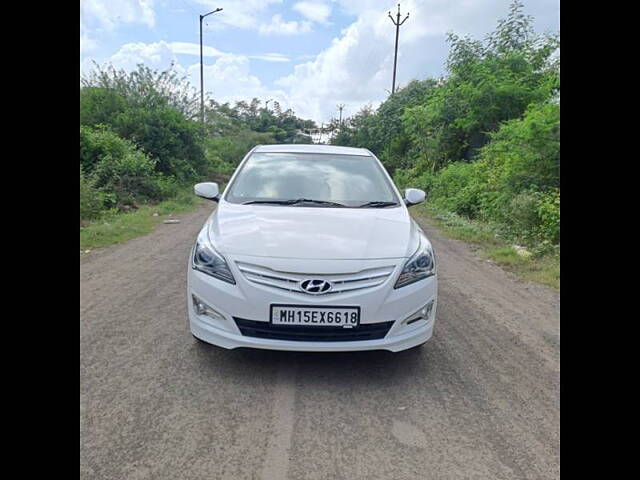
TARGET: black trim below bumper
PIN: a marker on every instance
(364, 331)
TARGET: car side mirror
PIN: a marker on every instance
(413, 196)
(208, 190)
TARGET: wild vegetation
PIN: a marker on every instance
(484, 140)
(142, 141)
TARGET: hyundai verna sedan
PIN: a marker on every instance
(311, 248)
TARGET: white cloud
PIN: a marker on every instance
(236, 13)
(279, 27)
(107, 14)
(87, 44)
(187, 48)
(354, 69)
(270, 57)
(159, 55)
(162, 55)
(249, 15)
(314, 11)
(229, 79)
(97, 16)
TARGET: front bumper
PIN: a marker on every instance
(248, 301)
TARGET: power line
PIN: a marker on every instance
(398, 24)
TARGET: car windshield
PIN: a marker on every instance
(308, 179)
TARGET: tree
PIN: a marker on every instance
(489, 82)
(153, 109)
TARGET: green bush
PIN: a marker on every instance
(459, 188)
(218, 170)
(231, 149)
(514, 182)
(150, 108)
(91, 201)
(166, 187)
(100, 105)
(403, 178)
(167, 136)
(520, 215)
(98, 142)
(123, 173)
(524, 153)
(549, 213)
(130, 177)
(489, 82)
(224, 153)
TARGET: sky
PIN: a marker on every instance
(309, 55)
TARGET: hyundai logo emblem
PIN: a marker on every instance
(315, 286)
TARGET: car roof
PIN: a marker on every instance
(312, 148)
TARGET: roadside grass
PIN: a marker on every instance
(114, 227)
(540, 268)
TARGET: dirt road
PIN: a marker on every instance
(480, 400)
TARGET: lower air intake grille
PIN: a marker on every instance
(366, 331)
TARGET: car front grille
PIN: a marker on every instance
(366, 331)
(340, 282)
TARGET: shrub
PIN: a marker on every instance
(218, 169)
(100, 105)
(123, 173)
(130, 177)
(524, 153)
(91, 202)
(96, 143)
(459, 188)
(488, 82)
(520, 215)
(549, 213)
(231, 149)
(167, 136)
(403, 178)
(150, 108)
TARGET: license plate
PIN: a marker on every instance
(346, 317)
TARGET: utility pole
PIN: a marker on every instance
(340, 107)
(397, 23)
(201, 67)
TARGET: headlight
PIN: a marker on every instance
(207, 260)
(421, 265)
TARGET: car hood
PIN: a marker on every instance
(312, 233)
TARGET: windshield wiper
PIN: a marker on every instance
(317, 202)
(377, 204)
(273, 202)
(295, 201)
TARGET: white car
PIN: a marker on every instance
(312, 248)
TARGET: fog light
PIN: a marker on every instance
(426, 310)
(202, 308)
(423, 314)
